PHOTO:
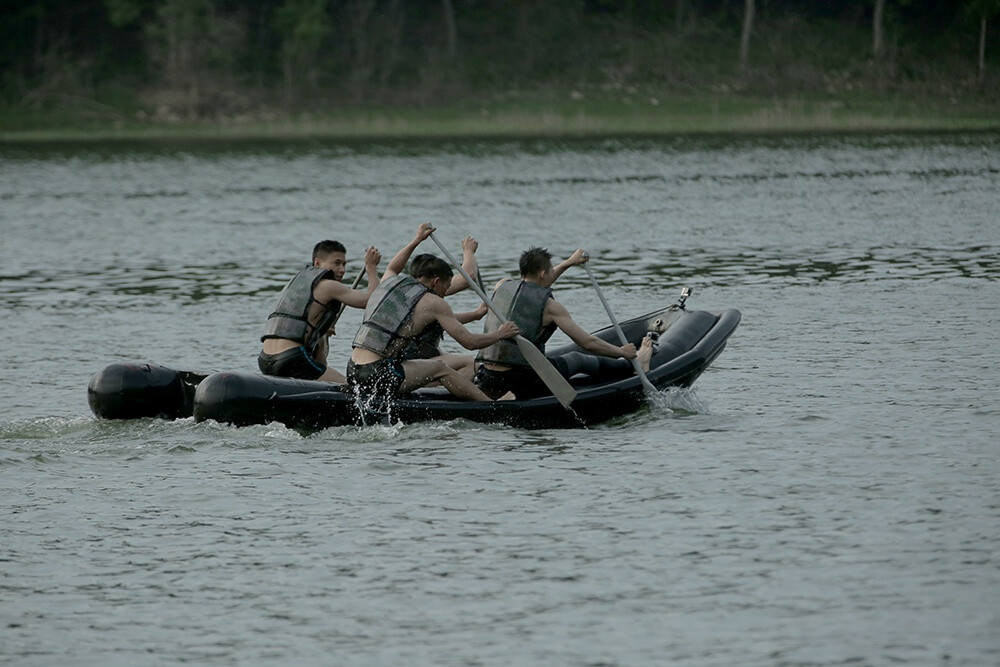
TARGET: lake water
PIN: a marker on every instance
(828, 493)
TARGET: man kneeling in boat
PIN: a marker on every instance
(295, 336)
(398, 312)
(529, 303)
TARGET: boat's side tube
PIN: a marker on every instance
(133, 391)
(243, 399)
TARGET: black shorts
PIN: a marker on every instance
(524, 382)
(382, 378)
(293, 363)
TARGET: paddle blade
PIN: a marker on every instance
(553, 379)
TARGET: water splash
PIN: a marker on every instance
(678, 400)
(378, 433)
(43, 428)
(373, 405)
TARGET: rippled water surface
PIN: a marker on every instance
(828, 493)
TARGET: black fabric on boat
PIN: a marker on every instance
(133, 391)
(574, 363)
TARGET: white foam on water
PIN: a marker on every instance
(679, 400)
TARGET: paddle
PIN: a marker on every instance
(344, 305)
(647, 385)
(553, 379)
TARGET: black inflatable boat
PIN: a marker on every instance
(687, 341)
(136, 390)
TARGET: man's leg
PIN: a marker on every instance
(330, 375)
(645, 353)
(463, 363)
(421, 372)
(571, 363)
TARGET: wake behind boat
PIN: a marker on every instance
(686, 343)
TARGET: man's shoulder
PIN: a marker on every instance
(431, 300)
(330, 288)
(432, 304)
(553, 307)
(330, 283)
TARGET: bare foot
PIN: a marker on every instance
(645, 353)
(509, 396)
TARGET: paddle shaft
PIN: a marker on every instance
(354, 285)
(647, 385)
(553, 379)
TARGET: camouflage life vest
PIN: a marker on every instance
(390, 309)
(290, 317)
(426, 344)
(523, 303)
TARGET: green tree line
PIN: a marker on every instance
(203, 58)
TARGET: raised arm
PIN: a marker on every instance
(329, 290)
(398, 263)
(469, 263)
(558, 314)
(372, 258)
(578, 257)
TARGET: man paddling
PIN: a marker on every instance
(295, 335)
(427, 345)
(529, 303)
(398, 313)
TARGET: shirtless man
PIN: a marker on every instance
(295, 334)
(428, 344)
(529, 303)
(398, 312)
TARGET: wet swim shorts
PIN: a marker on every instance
(524, 382)
(293, 363)
(381, 378)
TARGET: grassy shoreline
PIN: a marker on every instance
(530, 118)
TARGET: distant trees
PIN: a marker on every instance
(450, 27)
(302, 26)
(984, 10)
(878, 44)
(878, 31)
(198, 57)
(749, 10)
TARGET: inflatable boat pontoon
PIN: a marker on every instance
(687, 341)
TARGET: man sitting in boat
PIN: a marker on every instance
(427, 345)
(529, 303)
(399, 311)
(295, 335)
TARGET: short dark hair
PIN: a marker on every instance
(534, 260)
(418, 261)
(429, 266)
(324, 248)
